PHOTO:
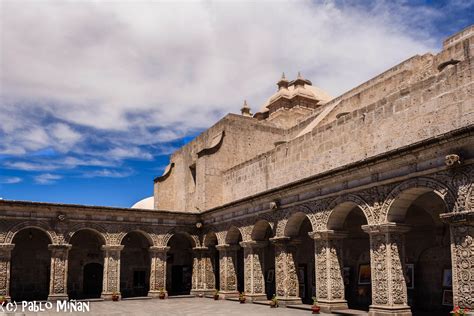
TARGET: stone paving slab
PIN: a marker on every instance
(185, 306)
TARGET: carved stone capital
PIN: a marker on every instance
(386, 228)
(458, 218)
(112, 247)
(327, 235)
(253, 244)
(283, 240)
(200, 249)
(6, 248)
(227, 247)
(59, 247)
(158, 249)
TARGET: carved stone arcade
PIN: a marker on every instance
(286, 277)
(157, 270)
(203, 281)
(387, 261)
(228, 272)
(5, 260)
(111, 283)
(462, 257)
(329, 264)
(58, 278)
(253, 269)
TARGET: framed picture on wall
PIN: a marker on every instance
(270, 275)
(364, 273)
(410, 275)
(447, 278)
(447, 298)
(346, 275)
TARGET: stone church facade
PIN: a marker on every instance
(364, 201)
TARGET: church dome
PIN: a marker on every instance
(147, 203)
(299, 87)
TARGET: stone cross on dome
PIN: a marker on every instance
(283, 83)
(245, 110)
(300, 81)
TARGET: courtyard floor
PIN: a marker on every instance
(179, 306)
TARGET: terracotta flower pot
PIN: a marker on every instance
(115, 298)
(316, 309)
(216, 297)
(162, 296)
(242, 300)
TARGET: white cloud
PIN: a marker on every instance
(47, 178)
(107, 173)
(10, 180)
(131, 152)
(126, 74)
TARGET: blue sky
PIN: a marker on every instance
(95, 96)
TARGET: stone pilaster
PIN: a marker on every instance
(58, 276)
(111, 281)
(228, 271)
(329, 264)
(462, 256)
(287, 290)
(157, 270)
(5, 259)
(253, 270)
(203, 276)
(387, 260)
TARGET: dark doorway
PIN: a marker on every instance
(181, 280)
(92, 282)
(240, 269)
(305, 262)
(179, 265)
(85, 268)
(428, 257)
(30, 266)
(216, 266)
(356, 270)
(135, 265)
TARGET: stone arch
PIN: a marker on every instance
(232, 236)
(30, 263)
(285, 215)
(259, 229)
(293, 224)
(210, 239)
(96, 229)
(402, 196)
(192, 238)
(341, 207)
(143, 233)
(31, 224)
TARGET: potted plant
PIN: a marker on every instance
(458, 311)
(242, 298)
(315, 308)
(216, 295)
(3, 300)
(162, 294)
(115, 296)
(274, 302)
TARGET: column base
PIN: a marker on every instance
(203, 293)
(107, 296)
(256, 297)
(228, 294)
(58, 297)
(289, 300)
(375, 310)
(329, 306)
(156, 293)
